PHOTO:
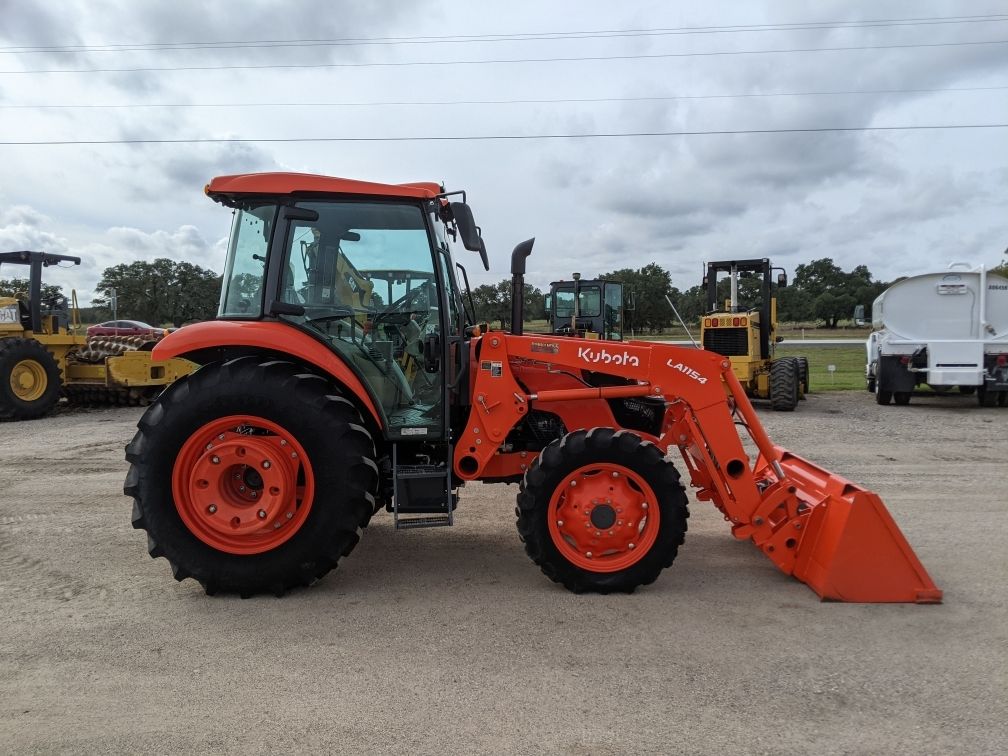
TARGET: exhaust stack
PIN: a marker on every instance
(518, 257)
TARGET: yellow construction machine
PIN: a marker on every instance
(746, 333)
(45, 355)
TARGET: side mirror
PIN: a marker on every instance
(483, 254)
(782, 280)
(466, 225)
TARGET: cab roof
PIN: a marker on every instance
(223, 188)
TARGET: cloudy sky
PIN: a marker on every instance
(899, 201)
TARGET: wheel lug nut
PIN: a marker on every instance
(644, 505)
(212, 508)
(289, 515)
(597, 533)
(215, 459)
(253, 494)
(262, 514)
(559, 523)
(266, 464)
(588, 554)
(573, 483)
(610, 532)
(241, 488)
(632, 545)
(221, 437)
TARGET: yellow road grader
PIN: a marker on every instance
(44, 355)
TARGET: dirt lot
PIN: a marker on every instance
(451, 640)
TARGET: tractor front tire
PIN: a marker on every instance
(251, 476)
(29, 379)
(784, 384)
(602, 511)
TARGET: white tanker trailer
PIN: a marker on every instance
(945, 330)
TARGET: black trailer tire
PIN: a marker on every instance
(967, 390)
(803, 376)
(1002, 398)
(784, 384)
(986, 398)
(607, 449)
(881, 397)
(338, 457)
(901, 398)
(31, 366)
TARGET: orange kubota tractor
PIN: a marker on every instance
(257, 472)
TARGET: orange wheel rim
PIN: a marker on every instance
(242, 484)
(603, 517)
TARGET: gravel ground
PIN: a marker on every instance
(451, 640)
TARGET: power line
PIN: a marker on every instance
(487, 38)
(385, 64)
(539, 101)
(500, 137)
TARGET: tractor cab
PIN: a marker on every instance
(590, 309)
(371, 279)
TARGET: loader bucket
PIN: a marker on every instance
(850, 548)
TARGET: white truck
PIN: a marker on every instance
(947, 330)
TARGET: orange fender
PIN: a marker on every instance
(273, 336)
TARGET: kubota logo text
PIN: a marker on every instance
(686, 370)
(588, 354)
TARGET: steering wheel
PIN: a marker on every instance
(406, 301)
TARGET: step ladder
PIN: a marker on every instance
(422, 497)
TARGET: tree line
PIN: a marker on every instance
(820, 291)
(170, 291)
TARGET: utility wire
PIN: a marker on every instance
(397, 64)
(514, 37)
(499, 137)
(540, 101)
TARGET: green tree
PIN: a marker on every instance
(160, 291)
(649, 286)
(11, 287)
(825, 291)
(493, 303)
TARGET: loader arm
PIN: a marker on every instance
(833, 535)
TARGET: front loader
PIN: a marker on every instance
(257, 472)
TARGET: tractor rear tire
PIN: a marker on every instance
(638, 491)
(784, 384)
(29, 379)
(803, 376)
(310, 507)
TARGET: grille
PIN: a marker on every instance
(730, 342)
